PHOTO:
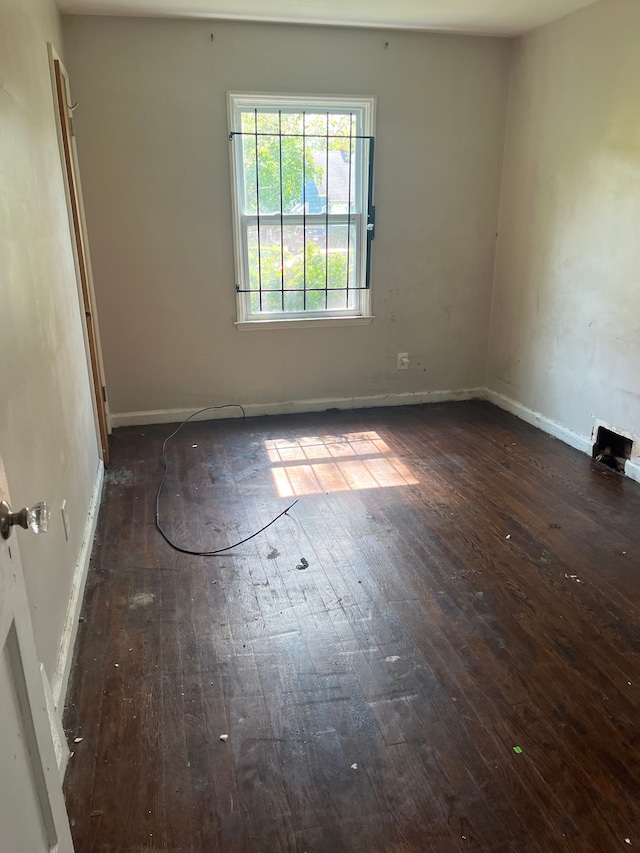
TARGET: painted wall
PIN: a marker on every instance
(47, 433)
(565, 335)
(152, 136)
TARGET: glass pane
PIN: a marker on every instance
(337, 300)
(284, 261)
(293, 244)
(341, 249)
(292, 174)
(287, 164)
(264, 258)
(318, 171)
(316, 268)
(296, 162)
(333, 162)
(316, 162)
(247, 147)
(294, 301)
(269, 172)
(249, 168)
(340, 172)
(247, 121)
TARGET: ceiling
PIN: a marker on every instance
(486, 17)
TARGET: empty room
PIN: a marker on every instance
(319, 426)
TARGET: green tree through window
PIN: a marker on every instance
(299, 208)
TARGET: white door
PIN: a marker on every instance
(33, 818)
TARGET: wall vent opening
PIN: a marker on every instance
(612, 449)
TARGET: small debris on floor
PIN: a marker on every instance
(82, 617)
(517, 750)
(273, 553)
(628, 840)
(508, 536)
(77, 739)
(96, 812)
(555, 527)
(303, 564)
(116, 664)
(392, 659)
(354, 766)
(224, 738)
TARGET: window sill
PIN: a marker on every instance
(302, 323)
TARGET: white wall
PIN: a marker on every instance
(47, 433)
(152, 136)
(565, 336)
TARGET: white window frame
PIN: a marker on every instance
(363, 109)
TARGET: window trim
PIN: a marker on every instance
(303, 322)
(366, 106)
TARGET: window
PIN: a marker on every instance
(302, 170)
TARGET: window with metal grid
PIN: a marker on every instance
(302, 180)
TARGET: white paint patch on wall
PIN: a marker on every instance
(153, 143)
(565, 334)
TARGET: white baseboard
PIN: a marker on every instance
(557, 430)
(574, 439)
(65, 653)
(537, 419)
(164, 416)
(632, 469)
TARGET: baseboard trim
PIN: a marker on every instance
(531, 416)
(632, 469)
(557, 430)
(65, 653)
(164, 416)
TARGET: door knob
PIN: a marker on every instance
(36, 518)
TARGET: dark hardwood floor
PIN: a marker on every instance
(472, 587)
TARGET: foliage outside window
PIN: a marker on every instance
(302, 202)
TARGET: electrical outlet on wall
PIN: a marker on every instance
(65, 519)
(403, 361)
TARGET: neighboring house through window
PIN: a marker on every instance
(302, 173)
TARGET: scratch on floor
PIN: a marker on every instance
(141, 599)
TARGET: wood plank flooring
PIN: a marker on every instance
(473, 586)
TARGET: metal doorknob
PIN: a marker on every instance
(36, 518)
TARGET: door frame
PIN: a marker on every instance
(63, 109)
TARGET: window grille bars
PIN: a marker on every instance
(351, 219)
(304, 211)
(326, 224)
(258, 209)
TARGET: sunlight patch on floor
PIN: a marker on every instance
(313, 464)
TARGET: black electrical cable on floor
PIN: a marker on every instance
(165, 464)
